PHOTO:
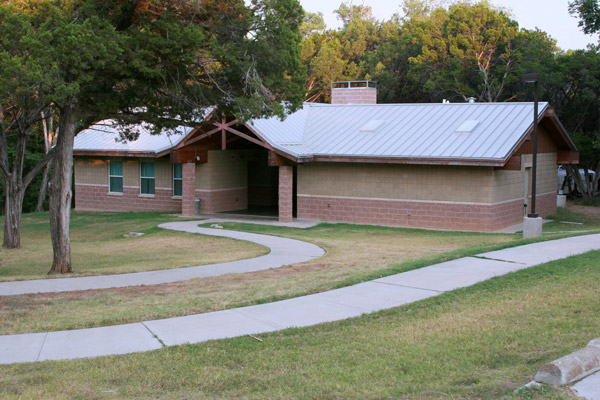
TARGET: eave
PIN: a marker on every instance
(478, 162)
(116, 153)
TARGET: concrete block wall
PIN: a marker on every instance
(286, 192)
(442, 197)
(222, 200)
(398, 182)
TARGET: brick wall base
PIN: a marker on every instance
(546, 204)
(476, 217)
(96, 198)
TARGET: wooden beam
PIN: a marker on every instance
(249, 138)
(275, 160)
(223, 139)
(189, 155)
(200, 137)
(219, 127)
(567, 157)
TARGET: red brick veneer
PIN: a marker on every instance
(358, 95)
(96, 198)
(478, 217)
(546, 204)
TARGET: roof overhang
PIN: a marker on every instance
(407, 160)
(548, 117)
(117, 153)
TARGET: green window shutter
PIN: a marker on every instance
(115, 176)
(116, 168)
(177, 188)
(147, 169)
(177, 179)
(177, 171)
(146, 177)
(116, 184)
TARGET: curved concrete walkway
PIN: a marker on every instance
(283, 251)
(351, 301)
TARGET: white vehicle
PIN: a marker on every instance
(566, 185)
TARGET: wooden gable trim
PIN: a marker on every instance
(554, 131)
(513, 163)
(261, 142)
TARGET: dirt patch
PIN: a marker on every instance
(587, 210)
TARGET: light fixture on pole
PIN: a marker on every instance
(534, 78)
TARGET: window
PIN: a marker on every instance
(115, 176)
(177, 179)
(147, 177)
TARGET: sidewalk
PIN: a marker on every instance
(309, 310)
(283, 251)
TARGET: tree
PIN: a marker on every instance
(471, 54)
(589, 13)
(21, 77)
(158, 62)
(576, 96)
(49, 134)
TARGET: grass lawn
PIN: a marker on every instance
(355, 253)
(99, 247)
(573, 219)
(480, 342)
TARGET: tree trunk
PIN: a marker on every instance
(581, 185)
(13, 208)
(43, 189)
(60, 192)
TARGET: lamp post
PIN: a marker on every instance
(533, 224)
(534, 78)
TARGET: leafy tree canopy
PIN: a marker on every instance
(589, 13)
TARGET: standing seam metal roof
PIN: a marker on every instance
(415, 131)
(105, 136)
(409, 130)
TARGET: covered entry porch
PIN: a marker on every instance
(229, 168)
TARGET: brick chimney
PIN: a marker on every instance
(354, 92)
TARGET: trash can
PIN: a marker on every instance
(197, 203)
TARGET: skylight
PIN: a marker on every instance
(372, 126)
(467, 126)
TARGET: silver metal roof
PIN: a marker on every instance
(402, 130)
(455, 132)
(104, 136)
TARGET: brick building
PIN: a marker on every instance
(464, 166)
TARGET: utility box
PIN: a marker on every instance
(197, 205)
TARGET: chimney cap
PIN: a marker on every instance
(353, 84)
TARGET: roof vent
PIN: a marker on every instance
(472, 100)
(372, 126)
(467, 126)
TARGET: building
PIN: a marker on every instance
(464, 166)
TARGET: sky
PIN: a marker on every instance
(551, 16)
